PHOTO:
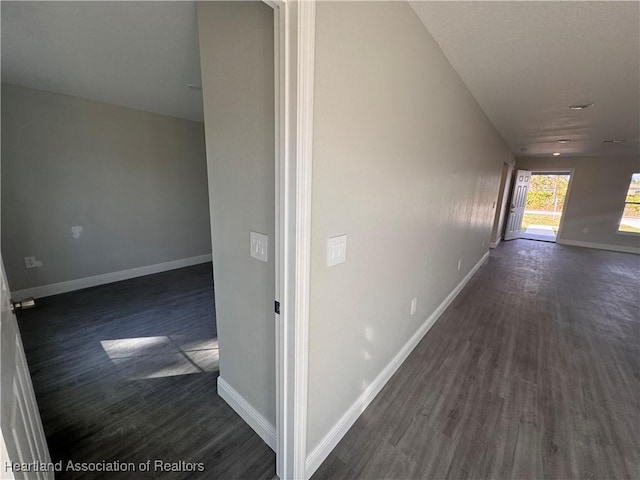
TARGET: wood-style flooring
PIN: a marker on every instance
(127, 372)
(532, 373)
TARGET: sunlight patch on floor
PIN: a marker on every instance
(162, 356)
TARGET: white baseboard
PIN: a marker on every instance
(331, 439)
(254, 419)
(600, 246)
(80, 283)
(496, 243)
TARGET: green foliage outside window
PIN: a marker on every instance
(547, 192)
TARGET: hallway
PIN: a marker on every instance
(531, 373)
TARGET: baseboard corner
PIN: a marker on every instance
(265, 430)
(599, 246)
(105, 278)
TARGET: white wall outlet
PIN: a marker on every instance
(585, 230)
(336, 250)
(31, 262)
(259, 246)
(414, 306)
(459, 263)
(76, 231)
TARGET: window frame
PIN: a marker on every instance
(626, 203)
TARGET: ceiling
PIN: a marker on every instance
(527, 62)
(136, 54)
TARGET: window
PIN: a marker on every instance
(630, 221)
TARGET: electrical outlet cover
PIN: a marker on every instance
(31, 262)
(76, 231)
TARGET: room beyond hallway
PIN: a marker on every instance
(531, 373)
(127, 372)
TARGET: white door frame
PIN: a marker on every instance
(557, 171)
(294, 47)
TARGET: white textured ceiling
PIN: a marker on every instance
(526, 62)
(137, 54)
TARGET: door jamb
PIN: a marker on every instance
(502, 204)
(294, 48)
(283, 449)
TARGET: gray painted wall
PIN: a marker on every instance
(408, 166)
(596, 197)
(135, 182)
(236, 45)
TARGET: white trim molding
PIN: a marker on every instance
(599, 246)
(282, 255)
(94, 281)
(295, 43)
(250, 415)
(331, 439)
(306, 23)
(496, 243)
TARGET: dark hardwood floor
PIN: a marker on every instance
(127, 372)
(532, 373)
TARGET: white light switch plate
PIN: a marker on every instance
(259, 246)
(336, 250)
(31, 262)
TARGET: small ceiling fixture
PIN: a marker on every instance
(563, 140)
(621, 140)
(193, 86)
(556, 154)
(580, 106)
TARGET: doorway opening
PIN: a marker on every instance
(127, 354)
(544, 205)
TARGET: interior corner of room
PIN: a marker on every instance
(97, 192)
